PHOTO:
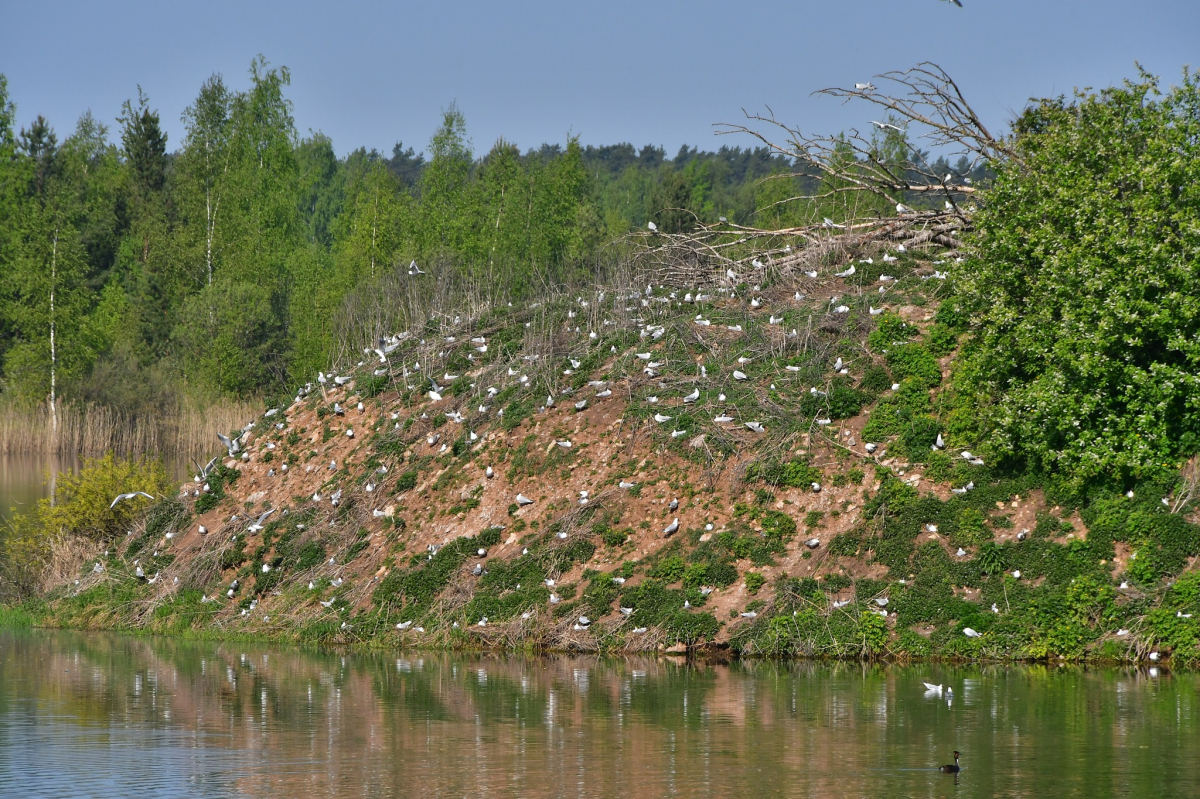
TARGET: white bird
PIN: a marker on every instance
(671, 528)
(967, 631)
(901, 208)
(564, 444)
(755, 427)
(523, 500)
(841, 309)
(258, 523)
(695, 395)
(624, 484)
(1017, 574)
(658, 417)
(875, 311)
(870, 448)
(231, 444)
(939, 443)
(749, 615)
(888, 259)
(865, 87)
(846, 273)
(829, 223)
(887, 126)
(722, 418)
(816, 487)
(932, 689)
(739, 375)
(579, 406)
(130, 495)
(837, 365)
(653, 227)
(812, 543)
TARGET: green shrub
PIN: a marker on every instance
(1082, 354)
(754, 581)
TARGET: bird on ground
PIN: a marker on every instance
(130, 495)
(626, 484)
(755, 427)
(875, 311)
(739, 375)
(967, 631)
(723, 418)
(258, 523)
(564, 444)
(749, 615)
(870, 447)
(889, 259)
(653, 227)
(523, 500)
(847, 272)
(695, 395)
(837, 365)
(812, 543)
(952, 769)
(658, 417)
(671, 528)
(673, 505)
(901, 208)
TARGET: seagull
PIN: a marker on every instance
(231, 444)
(413, 269)
(846, 273)
(695, 395)
(658, 417)
(258, 524)
(653, 227)
(812, 543)
(870, 448)
(671, 528)
(625, 484)
(901, 208)
(865, 87)
(489, 473)
(755, 427)
(828, 223)
(875, 311)
(967, 631)
(523, 500)
(887, 126)
(674, 504)
(130, 495)
(739, 375)
(749, 615)
(722, 418)
(930, 688)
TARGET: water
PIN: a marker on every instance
(87, 714)
(23, 479)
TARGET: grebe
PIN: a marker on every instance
(951, 769)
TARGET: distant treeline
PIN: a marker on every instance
(149, 272)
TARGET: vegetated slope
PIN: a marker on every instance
(841, 529)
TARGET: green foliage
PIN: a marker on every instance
(754, 581)
(795, 473)
(1083, 351)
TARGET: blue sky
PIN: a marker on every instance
(371, 73)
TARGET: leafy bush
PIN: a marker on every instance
(754, 581)
(795, 473)
(1084, 352)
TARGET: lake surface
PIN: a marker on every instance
(86, 714)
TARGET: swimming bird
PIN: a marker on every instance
(130, 495)
(933, 689)
(954, 769)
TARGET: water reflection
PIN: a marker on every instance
(94, 714)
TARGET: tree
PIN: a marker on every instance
(1081, 285)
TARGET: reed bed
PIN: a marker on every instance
(92, 430)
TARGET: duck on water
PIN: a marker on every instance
(951, 769)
